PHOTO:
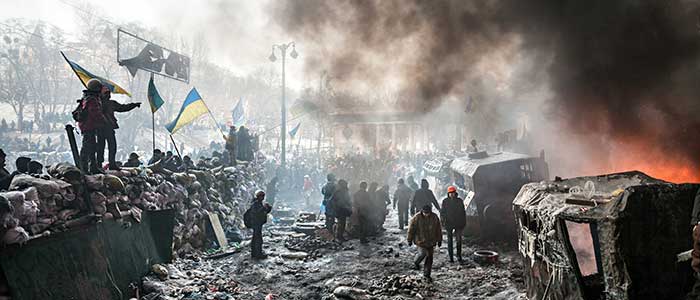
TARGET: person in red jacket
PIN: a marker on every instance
(90, 124)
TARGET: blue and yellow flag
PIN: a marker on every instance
(192, 109)
(85, 76)
(153, 96)
(294, 130)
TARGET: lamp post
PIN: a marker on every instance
(283, 128)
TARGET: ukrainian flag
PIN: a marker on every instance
(192, 109)
(85, 76)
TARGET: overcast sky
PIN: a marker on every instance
(239, 33)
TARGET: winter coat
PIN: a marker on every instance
(111, 106)
(402, 196)
(340, 203)
(327, 192)
(425, 231)
(424, 196)
(5, 179)
(453, 214)
(362, 201)
(92, 104)
(259, 212)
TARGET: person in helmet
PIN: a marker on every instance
(258, 217)
(90, 124)
(454, 219)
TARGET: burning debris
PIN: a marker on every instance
(580, 237)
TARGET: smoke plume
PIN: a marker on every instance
(621, 75)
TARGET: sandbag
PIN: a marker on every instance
(45, 187)
(16, 235)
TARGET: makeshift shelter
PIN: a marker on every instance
(613, 236)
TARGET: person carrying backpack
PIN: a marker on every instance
(254, 218)
(90, 120)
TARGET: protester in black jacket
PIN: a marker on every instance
(423, 196)
(363, 204)
(258, 214)
(341, 206)
(454, 219)
(5, 176)
(106, 133)
(327, 192)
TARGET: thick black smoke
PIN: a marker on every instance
(628, 70)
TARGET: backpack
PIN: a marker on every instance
(248, 218)
(80, 113)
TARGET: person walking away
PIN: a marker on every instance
(363, 205)
(106, 133)
(327, 192)
(90, 120)
(402, 198)
(454, 219)
(231, 143)
(271, 189)
(373, 216)
(425, 231)
(412, 184)
(423, 196)
(308, 189)
(341, 206)
(383, 200)
(255, 217)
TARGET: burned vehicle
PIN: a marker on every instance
(488, 182)
(613, 236)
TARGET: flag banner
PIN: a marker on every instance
(294, 130)
(85, 76)
(192, 108)
(470, 105)
(238, 115)
(154, 97)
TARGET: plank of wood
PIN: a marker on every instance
(218, 231)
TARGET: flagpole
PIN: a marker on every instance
(175, 146)
(214, 119)
(153, 115)
(71, 67)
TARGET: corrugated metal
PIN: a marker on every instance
(98, 261)
(468, 166)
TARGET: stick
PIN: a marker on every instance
(175, 146)
(223, 135)
(153, 122)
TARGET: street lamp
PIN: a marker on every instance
(283, 128)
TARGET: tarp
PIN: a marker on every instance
(98, 261)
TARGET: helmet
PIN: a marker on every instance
(259, 194)
(94, 85)
(451, 189)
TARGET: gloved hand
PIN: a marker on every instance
(138, 104)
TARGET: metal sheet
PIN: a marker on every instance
(98, 261)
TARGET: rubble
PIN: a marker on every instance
(56, 201)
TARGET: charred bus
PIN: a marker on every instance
(488, 183)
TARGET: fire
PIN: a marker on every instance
(657, 163)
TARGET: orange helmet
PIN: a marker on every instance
(451, 189)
